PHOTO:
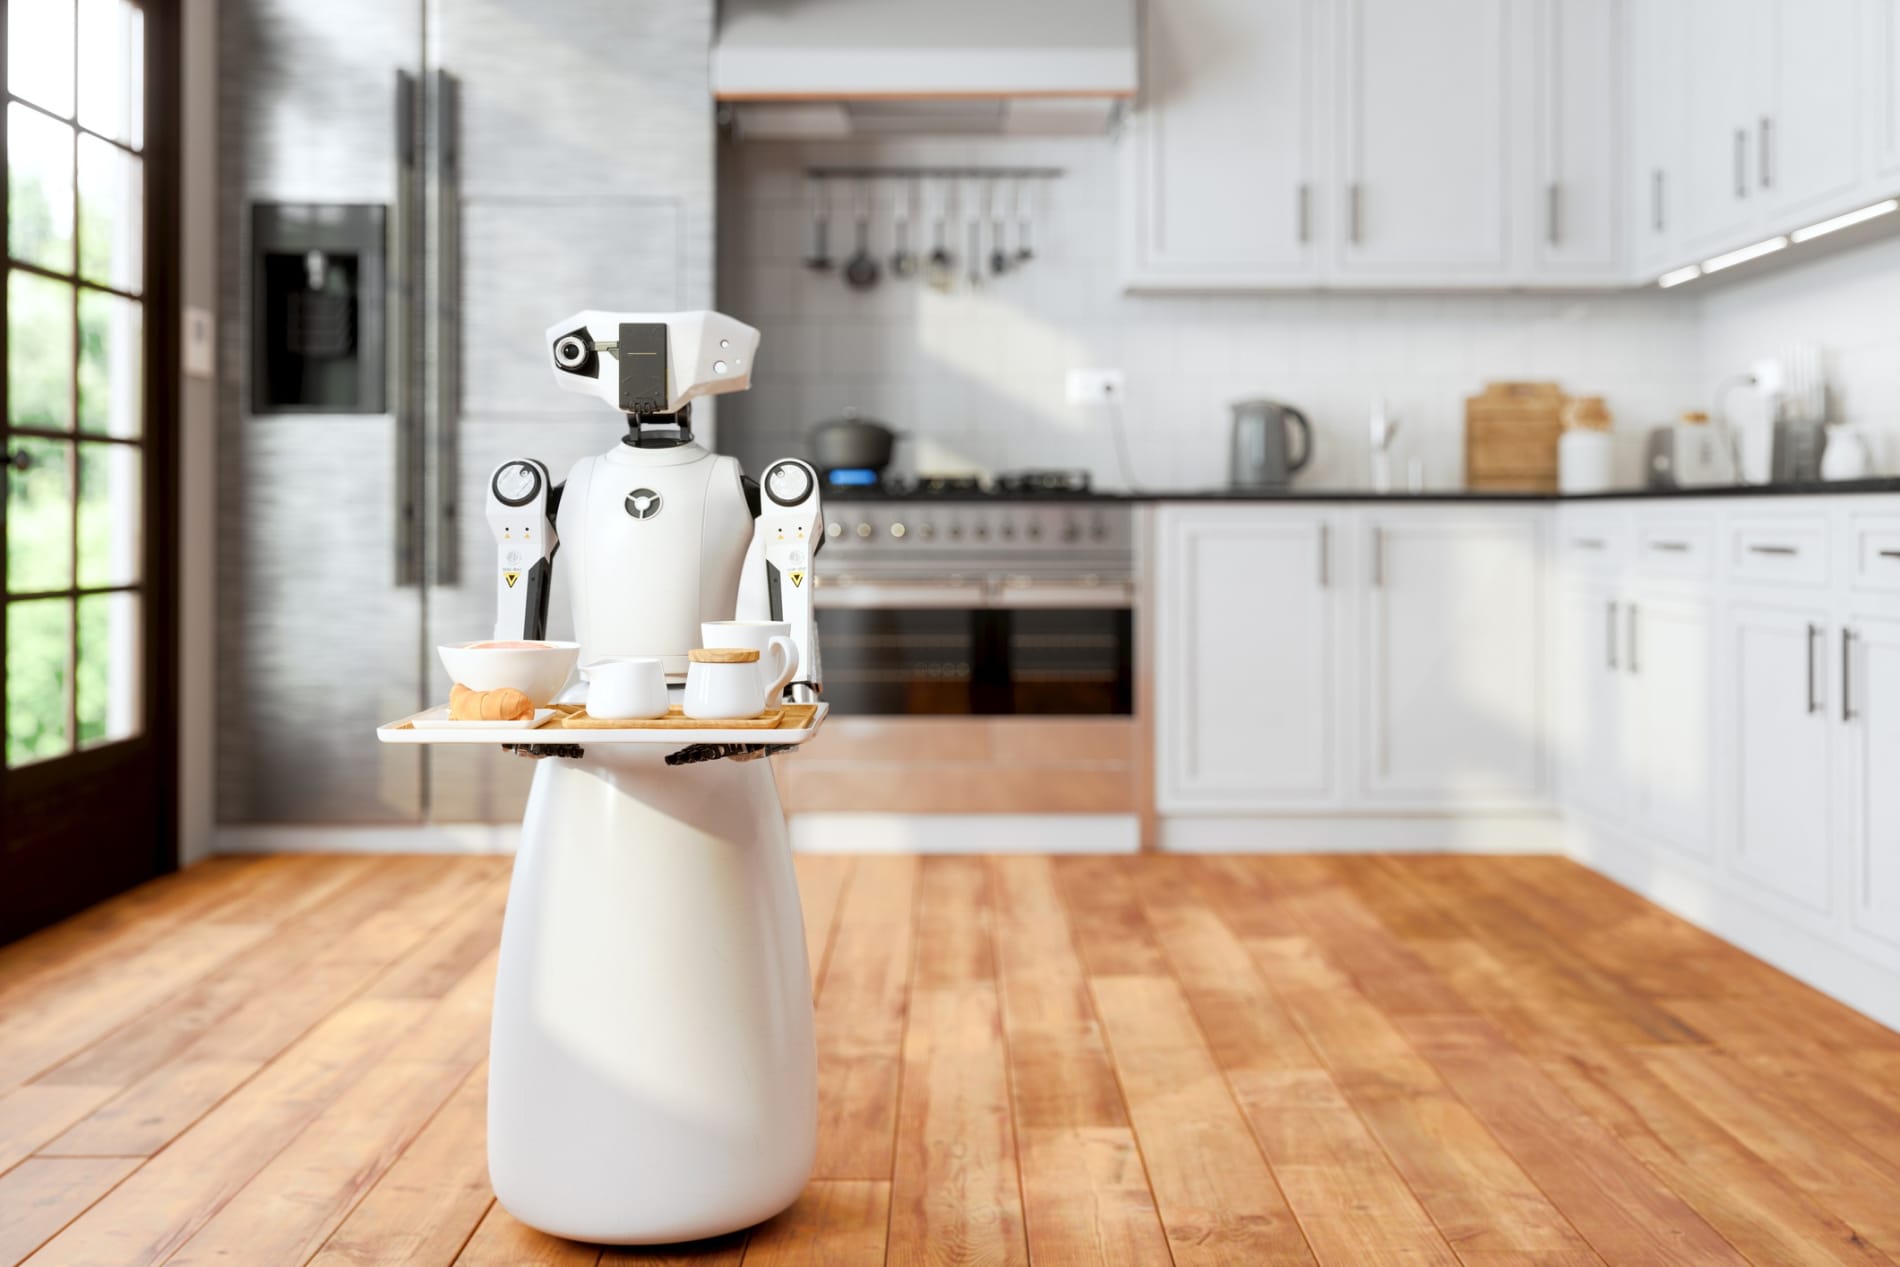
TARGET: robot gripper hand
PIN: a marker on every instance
(521, 505)
(788, 534)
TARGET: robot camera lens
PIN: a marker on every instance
(572, 352)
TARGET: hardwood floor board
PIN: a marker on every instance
(501, 1240)
(427, 1204)
(822, 880)
(834, 1223)
(1107, 924)
(860, 1021)
(44, 1194)
(1086, 1198)
(720, 1251)
(953, 938)
(33, 1114)
(1219, 1203)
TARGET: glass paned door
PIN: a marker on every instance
(75, 385)
(88, 783)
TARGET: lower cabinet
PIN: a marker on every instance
(1780, 814)
(1669, 661)
(1588, 729)
(1869, 717)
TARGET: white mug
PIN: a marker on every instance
(625, 687)
(727, 689)
(772, 639)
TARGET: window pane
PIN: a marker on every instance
(39, 517)
(37, 641)
(112, 73)
(111, 529)
(111, 214)
(111, 380)
(39, 189)
(108, 676)
(40, 53)
(39, 352)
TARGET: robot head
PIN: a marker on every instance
(645, 363)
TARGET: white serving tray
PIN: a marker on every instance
(404, 730)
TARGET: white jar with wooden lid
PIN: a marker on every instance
(1585, 451)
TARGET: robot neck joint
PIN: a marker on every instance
(659, 430)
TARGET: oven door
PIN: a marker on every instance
(982, 647)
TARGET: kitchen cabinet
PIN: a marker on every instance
(1222, 188)
(1452, 659)
(1588, 734)
(1426, 147)
(1668, 657)
(1869, 717)
(1880, 89)
(1808, 133)
(1658, 59)
(1782, 825)
(1724, 75)
(1248, 644)
(1579, 162)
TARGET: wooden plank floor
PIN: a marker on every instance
(1341, 1061)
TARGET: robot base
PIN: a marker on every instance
(652, 1069)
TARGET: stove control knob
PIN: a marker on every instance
(1098, 532)
(956, 532)
(1071, 531)
(897, 530)
(926, 531)
(864, 530)
(981, 533)
(1034, 532)
(1009, 532)
(834, 530)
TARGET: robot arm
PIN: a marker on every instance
(778, 581)
(521, 503)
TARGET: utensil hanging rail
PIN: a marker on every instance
(934, 173)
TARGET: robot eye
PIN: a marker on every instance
(574, 353)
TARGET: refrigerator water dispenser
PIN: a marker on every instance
(317, 309)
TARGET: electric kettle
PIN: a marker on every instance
(1263, 452)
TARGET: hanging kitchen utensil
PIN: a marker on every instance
(1023, 252)
(999, 256)
(903, 262)
(942, 266)
(974, 261)
(861, 270)
(820, 258)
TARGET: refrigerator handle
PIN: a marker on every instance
(445, 407)
(403, 295)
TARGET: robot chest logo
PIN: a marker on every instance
(643, 503)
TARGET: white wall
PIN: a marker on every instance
(977, 374)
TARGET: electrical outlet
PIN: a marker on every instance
(1094, 387)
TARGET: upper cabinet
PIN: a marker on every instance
(1577, 229)
(1221, 156)
(1658, 66)
(1881, 91)
(1424, 134)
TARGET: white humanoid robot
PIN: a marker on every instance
(652, 1072)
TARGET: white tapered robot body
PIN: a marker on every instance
(652, 1066)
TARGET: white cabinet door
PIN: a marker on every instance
(1221, 189)
(1725, 70)
(1588, 738)
(1247, 635)
(1870, 693)
(1881, 87)
(1453, 659)
(1579, 160)
(1808, 138)
(1659, 115)
(1782, 820)
(1425, 111)
(1669, 653)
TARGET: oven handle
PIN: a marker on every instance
(845, 591)
(1026, 591)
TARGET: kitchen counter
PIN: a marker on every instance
(1884, 484)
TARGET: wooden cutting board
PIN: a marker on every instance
(1511, 434)
(790, 717)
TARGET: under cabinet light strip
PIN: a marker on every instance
(1846, 220)
(1745, 254)
(1677, 276)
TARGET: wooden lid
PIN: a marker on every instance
(722, 655)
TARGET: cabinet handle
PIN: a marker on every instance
(1553, 211)
(1741, 162)
(1587, 543)
(1325, 569)
(1609, 609)
(1656, 199)
(1765, 549)
(1888, 554)
(1378, 557)
(1670, 547)
(1631, 640)
(1848, 639)
(1814, 701)
(1305, 213)
(1353, 201)
(1764, 160)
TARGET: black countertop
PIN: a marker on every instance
(1885, 484)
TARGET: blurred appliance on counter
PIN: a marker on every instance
(1776, 414)
(1511, 434)
(1585, 452)
(1262, 456)
(852, 451)
(1384, 430)
(1692, 453)
(1848, 456)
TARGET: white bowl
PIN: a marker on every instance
(538, 670)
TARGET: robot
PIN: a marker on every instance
(652, 1069)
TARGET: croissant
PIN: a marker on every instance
(506, 704)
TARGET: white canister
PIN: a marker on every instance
(722, 684)
(1585, 450)
(624, 688)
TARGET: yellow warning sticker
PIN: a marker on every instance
(511, 578)
(798, 578)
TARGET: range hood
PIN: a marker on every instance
(833, 68)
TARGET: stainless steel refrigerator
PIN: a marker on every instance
(410, 193)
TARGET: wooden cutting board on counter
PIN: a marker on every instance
(1511, 433)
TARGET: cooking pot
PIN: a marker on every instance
(852, 450)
